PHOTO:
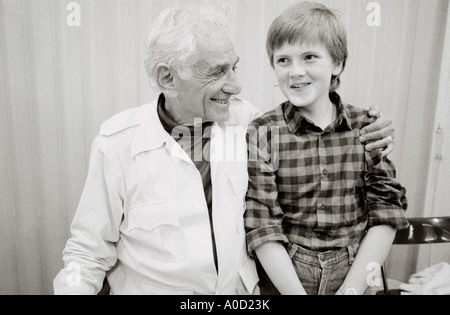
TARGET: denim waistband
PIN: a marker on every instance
(321, 258)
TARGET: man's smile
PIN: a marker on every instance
(220, 101)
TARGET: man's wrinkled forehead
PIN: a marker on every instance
(216, 51)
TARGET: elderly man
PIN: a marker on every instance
(162, 208)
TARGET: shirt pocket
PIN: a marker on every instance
(156, 232)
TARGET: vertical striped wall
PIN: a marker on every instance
(58, 83)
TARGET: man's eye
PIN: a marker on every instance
(218, 73)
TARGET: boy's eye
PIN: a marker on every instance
(282, 61)
(310, 57)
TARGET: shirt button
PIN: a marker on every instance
(322, 207)
(325, 172)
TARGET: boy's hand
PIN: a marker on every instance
(380, 133)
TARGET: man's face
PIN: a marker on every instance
(304, 73)
(213, 81)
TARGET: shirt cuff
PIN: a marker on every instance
(263, 235)
(380, 214)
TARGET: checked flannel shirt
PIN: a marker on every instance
(317, 188)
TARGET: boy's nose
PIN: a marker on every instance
(297, 70)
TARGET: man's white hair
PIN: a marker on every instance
(173, 37)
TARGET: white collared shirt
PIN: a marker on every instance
(143, 218)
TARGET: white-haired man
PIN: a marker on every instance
(162, 208)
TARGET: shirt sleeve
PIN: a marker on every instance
(263, 217)
(90, 251)
(385, 197)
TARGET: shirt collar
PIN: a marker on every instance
(151, 133)
(166, 120)
(295, 120)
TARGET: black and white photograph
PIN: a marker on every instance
(238, 148)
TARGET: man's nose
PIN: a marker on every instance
(232, 86)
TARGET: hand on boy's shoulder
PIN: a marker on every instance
(379, 133)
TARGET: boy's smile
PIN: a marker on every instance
(300, 88)
(304, 75)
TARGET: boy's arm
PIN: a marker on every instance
(385, 202)
(373, 249)
(379, 134)
(278, 265)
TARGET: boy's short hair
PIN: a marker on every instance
(310, 23)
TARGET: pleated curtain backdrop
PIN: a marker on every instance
(63, 73)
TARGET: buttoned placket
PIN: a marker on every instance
(322, 173)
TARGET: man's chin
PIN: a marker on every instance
(219, 116)
(223, 118)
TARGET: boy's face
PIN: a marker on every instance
(304, 73)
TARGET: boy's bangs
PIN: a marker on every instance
(311, 37)
(307, 33)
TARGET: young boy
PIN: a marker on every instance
(321, 211)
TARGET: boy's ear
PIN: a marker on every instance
(338, 68)
(165, 79)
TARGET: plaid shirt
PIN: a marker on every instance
(317, 188)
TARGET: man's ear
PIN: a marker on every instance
(165, 79)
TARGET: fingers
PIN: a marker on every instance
(384, 144)
(388, 150)
(379, 123)
(414, 289)
(374, 112)
(377, 130)
(419, 280)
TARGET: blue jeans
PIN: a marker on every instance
(321, 273)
